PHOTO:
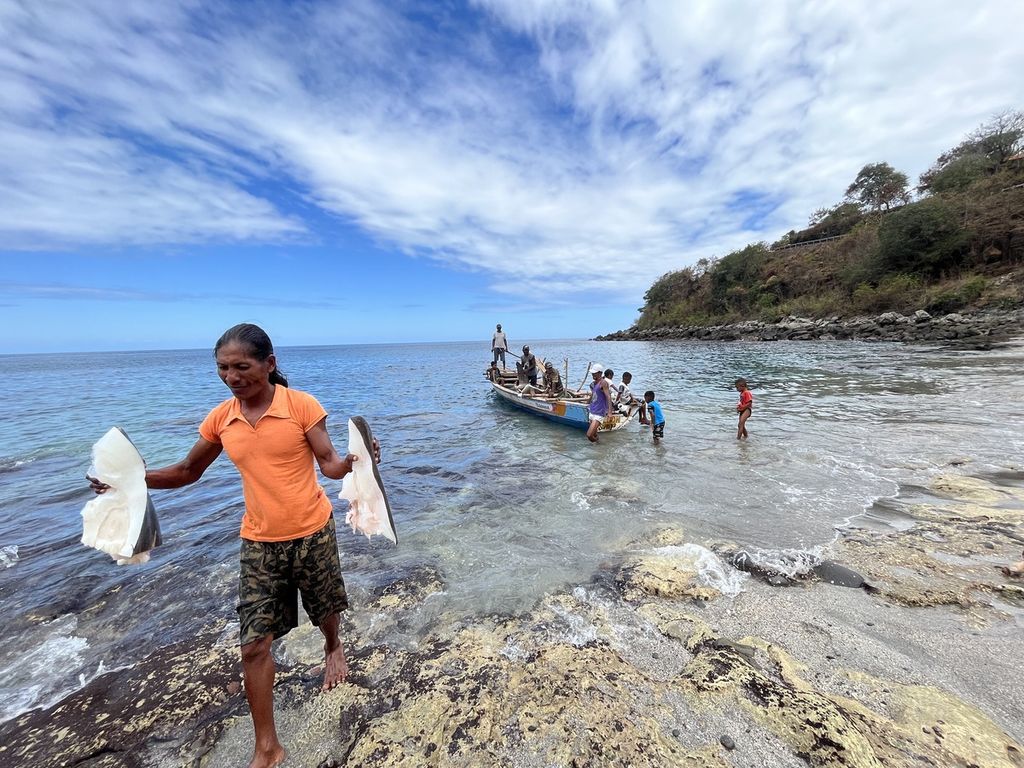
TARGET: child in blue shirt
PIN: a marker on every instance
(656, 416)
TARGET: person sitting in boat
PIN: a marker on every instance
(624, 399)
(529, 366)
(609, 376)
(552, 381)
(494, 373)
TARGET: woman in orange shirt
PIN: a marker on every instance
(289, 546)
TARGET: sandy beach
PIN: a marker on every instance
(646, 664)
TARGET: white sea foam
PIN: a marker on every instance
(580, 500)
(9, 463)
(710, 569)
(791, 563)
(577, 630)
(9, 556)
(40, 674)
(514, 651)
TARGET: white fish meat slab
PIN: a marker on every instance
(368, 509)
(122, 521)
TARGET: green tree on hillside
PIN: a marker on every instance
(922, 238)
(735, 278)
(980, 154)
(670, 288)
(878, 187)
(836, 215)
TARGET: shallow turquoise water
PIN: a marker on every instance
(505, 506)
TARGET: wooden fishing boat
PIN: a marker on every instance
(569, 409)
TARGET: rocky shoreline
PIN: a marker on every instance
(651, 663)
(979, 327)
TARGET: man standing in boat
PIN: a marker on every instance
(499, 345)
(600, 407)
(529, 366)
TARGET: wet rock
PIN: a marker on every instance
(182, 687)
(667, 575)
(727, 742)
(926, 565)
(978, 328)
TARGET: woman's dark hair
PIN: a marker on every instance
(260, 347)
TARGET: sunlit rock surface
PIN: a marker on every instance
(653, 663)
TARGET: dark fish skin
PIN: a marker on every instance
(367, 435)
(149, 536)
(831, 572)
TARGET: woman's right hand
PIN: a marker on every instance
(96, 485)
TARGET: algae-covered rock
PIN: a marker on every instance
(969, 489)
(951, 555)
(830, 730)
(121, 711)
(677, 572)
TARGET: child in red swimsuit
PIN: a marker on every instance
(744, 407)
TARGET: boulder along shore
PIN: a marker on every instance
(987, 325)
(901, 649)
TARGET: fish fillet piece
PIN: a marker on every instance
(368, 509)
(122, 521)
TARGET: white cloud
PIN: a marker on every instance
(609, 149)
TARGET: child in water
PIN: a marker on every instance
(657, 418)
(744, 407)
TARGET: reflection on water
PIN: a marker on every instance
(505, 506)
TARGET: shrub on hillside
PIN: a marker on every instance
(994, 213)
(956, 299)
(896, 292)
(981, 152)
(822, 304)
(945, 302)
(734, 276)
(664, 298)
(973, 288)
(921, 238)
(959, 174)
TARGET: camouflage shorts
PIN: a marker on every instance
(274, 573)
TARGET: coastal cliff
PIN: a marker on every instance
(878, 265)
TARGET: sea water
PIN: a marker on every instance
(504, 506)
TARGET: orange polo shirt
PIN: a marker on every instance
(283, 499)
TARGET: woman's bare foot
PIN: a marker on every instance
(335, 667)
(267, 758)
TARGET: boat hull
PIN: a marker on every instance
(567, 412)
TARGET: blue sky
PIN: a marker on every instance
(347, 172)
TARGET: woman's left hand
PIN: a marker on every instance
(96, 485)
